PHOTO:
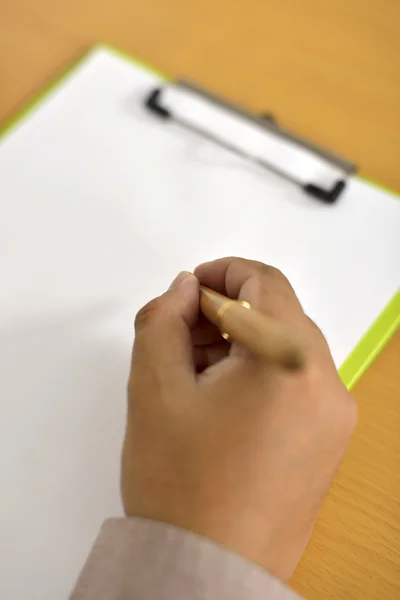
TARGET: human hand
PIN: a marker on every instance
(218, 441)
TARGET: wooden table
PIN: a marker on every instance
(330, 70)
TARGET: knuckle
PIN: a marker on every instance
(272, 276)
(275, 290)
(268, 270)
(257, 268)
(260, 270)
(148, 313)
(315, 327)
(317, 335)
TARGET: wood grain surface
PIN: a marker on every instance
(330, 69)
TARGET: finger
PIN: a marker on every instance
(206, 356)
(205, 333)
(265, 287)
(163, 344)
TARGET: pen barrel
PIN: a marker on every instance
(259, 334)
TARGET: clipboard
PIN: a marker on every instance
(387, 320)
(96, 192)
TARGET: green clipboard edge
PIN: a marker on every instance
(376, 337)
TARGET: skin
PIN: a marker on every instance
(221, 443)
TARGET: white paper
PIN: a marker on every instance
(101, 204)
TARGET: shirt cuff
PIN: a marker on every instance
(136, 558)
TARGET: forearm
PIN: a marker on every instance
(139, 559)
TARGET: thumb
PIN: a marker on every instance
(163, 340)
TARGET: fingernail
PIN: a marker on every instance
(179, 278)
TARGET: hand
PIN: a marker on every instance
(217, 441)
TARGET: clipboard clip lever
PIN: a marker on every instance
(267, 125)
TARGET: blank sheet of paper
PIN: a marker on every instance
(101, 204)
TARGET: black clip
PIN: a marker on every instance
(266, 121)
(153, 104)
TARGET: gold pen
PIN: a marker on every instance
(260, 334)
